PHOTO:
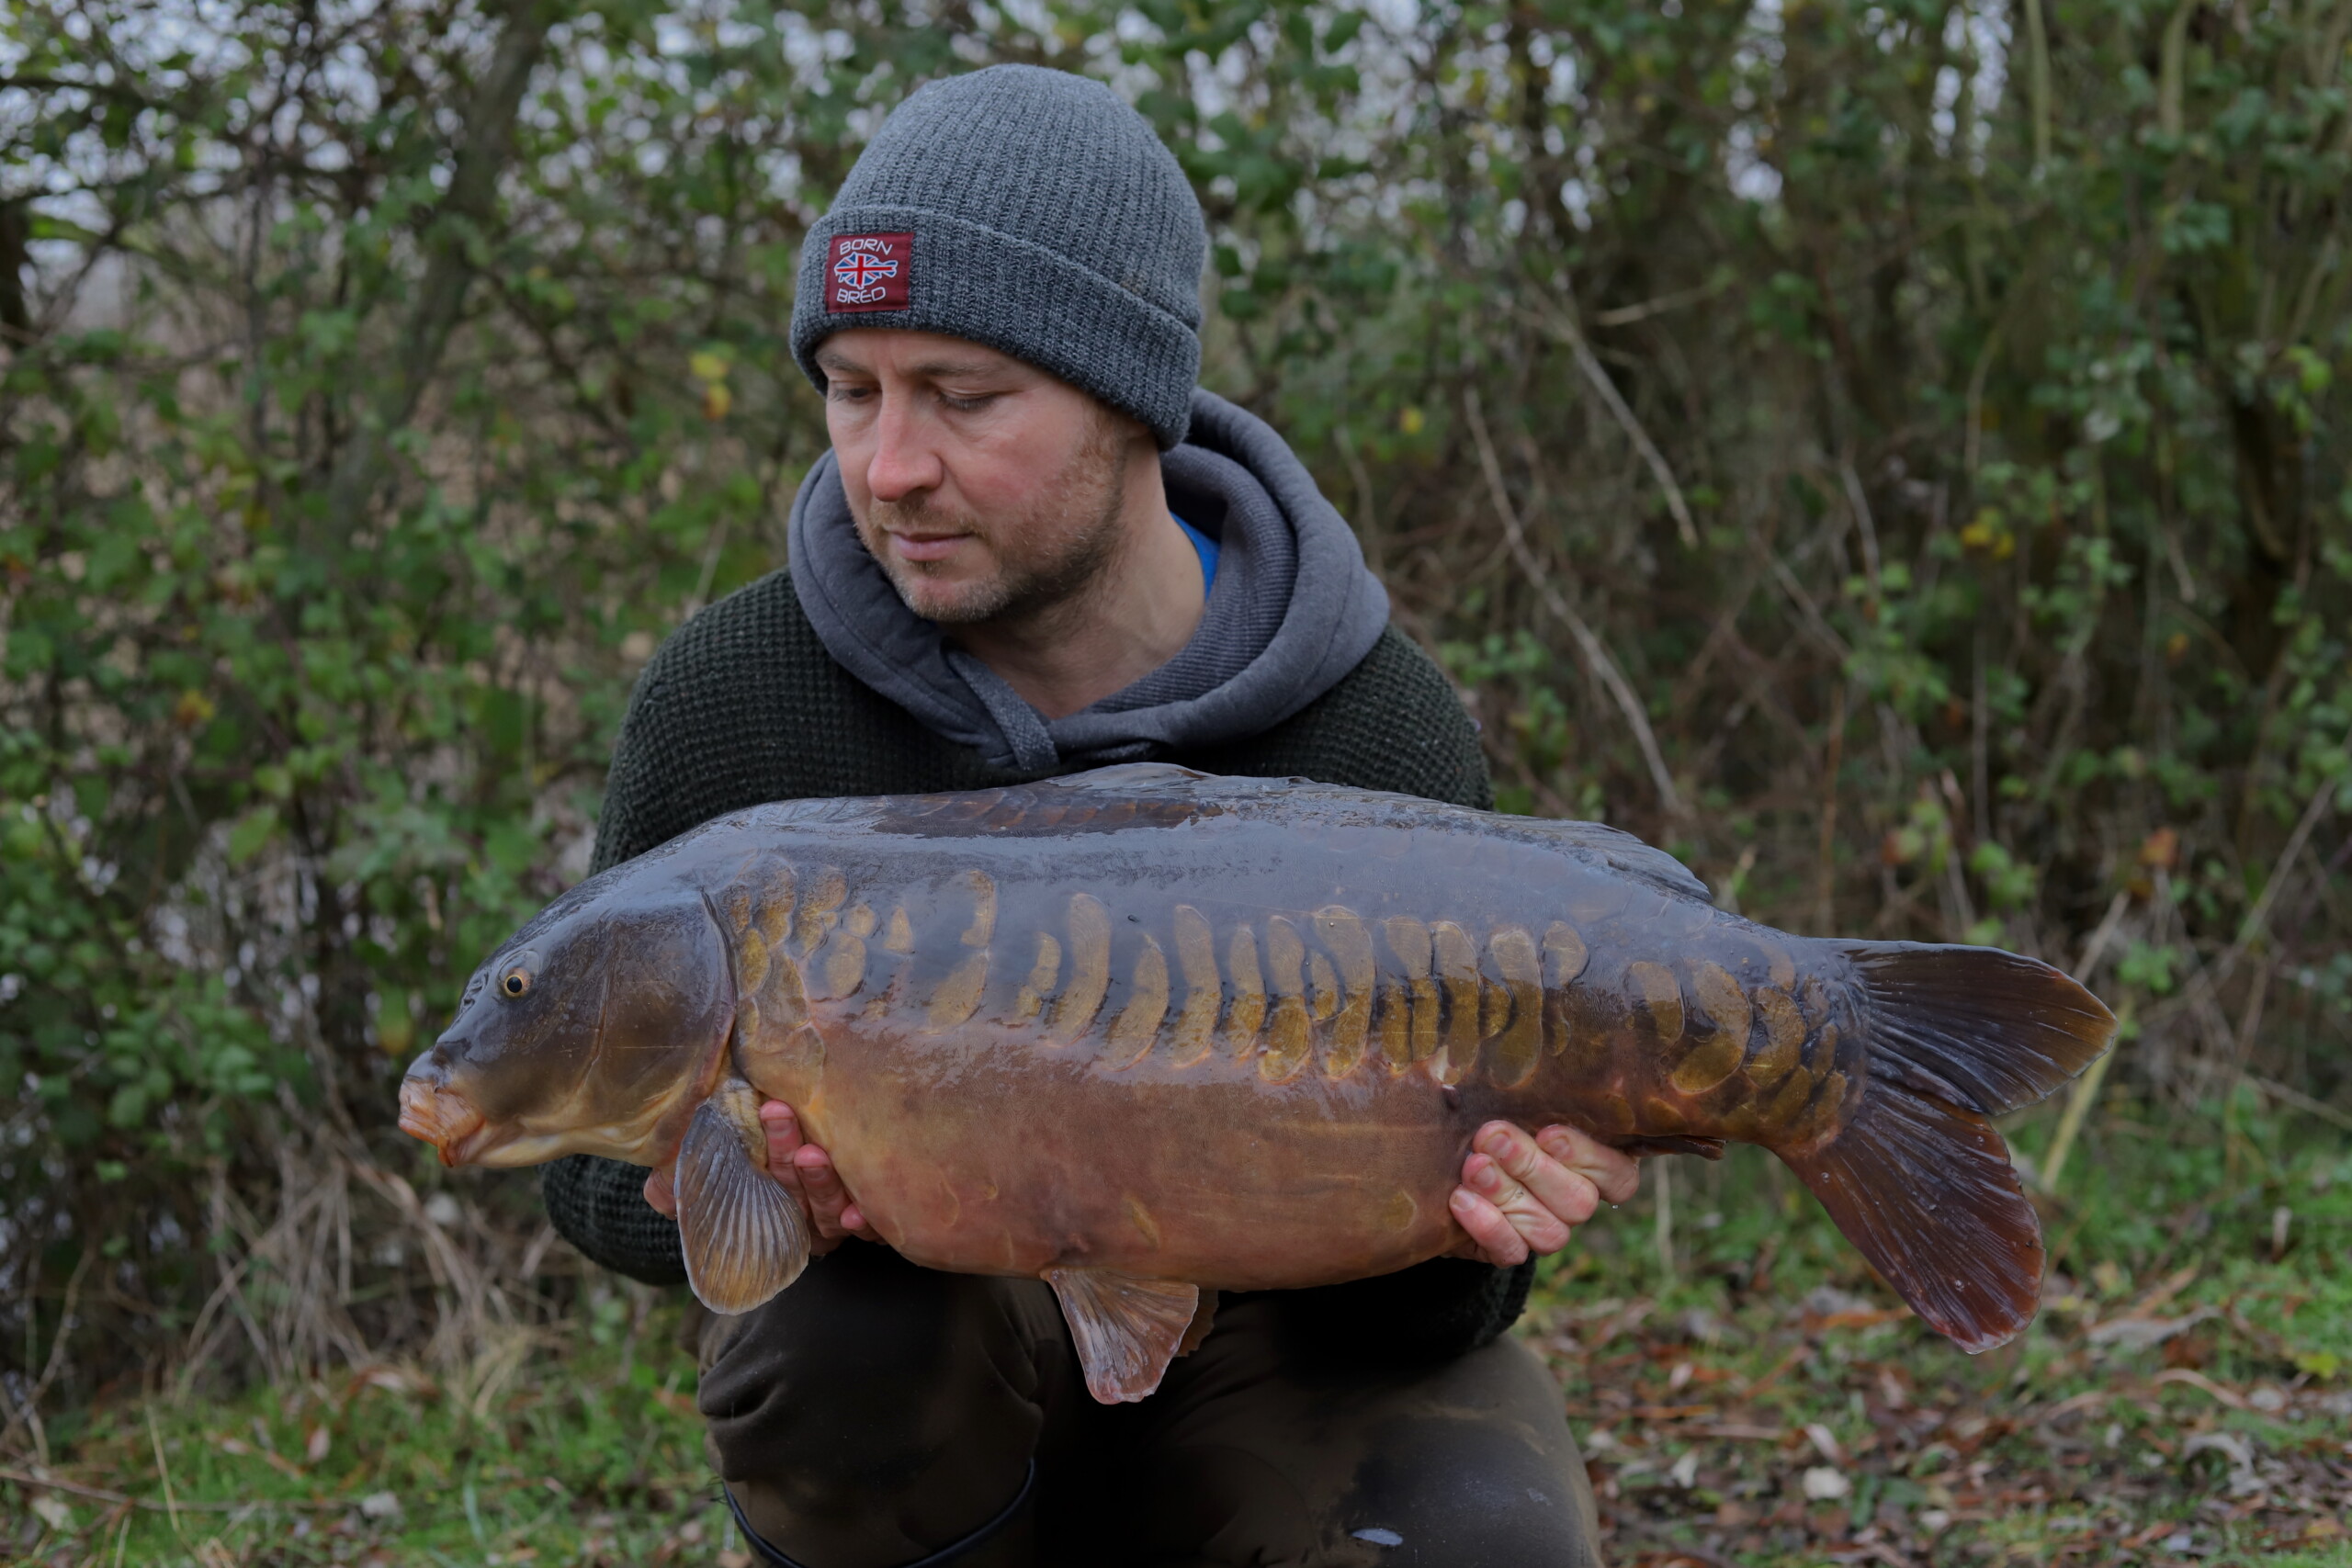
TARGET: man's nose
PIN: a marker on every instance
(905, 460)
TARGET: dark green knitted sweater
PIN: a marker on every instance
(743, 705)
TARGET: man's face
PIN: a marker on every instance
(985, 486)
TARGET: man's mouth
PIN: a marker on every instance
(924, 546)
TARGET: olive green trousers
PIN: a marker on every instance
(878, 1415)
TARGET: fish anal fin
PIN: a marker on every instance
(1672, 1143)
(743, 1234)
(1924, 1191)
(1126, 1329)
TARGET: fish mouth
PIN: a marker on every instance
(442, 1117)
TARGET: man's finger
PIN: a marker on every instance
(783, 1132)
(1496, 1239)
(809, 1171)
(1541, 1231)
(1615, 1174)
(661, 1194)
(785, 1144)
(823, 1187)
(830, 1204)
(1569, 1195)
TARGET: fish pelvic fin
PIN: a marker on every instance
(1918, 1177)
(1127, 1329)
(744, 1234)
(1203, 1319)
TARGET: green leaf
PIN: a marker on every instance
(253, 831)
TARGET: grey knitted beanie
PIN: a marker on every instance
(1031, 210)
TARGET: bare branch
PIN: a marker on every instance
(464, 217)
(1561, 322)
(1596, 654)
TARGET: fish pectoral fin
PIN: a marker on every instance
(1672, 1143)
(1126, 1329)
(744, 1236)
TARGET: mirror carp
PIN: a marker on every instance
(1147, 1035)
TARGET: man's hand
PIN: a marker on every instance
(803, 1168)
(1522, 1196)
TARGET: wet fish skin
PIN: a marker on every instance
(1149, 1027)
(612, 1019)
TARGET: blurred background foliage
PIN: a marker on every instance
(1892, 454)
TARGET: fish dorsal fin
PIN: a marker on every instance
(1126, 1329)
(1620, 851)
(744, 1236)
(1134, 778)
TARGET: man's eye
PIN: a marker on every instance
(966, 404)
(840, 394)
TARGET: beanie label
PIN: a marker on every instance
(869, 272)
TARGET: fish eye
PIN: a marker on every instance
(515, 981)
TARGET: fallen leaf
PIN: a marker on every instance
(1826, 1441)
(1823, 1482)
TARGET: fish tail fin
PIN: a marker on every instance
(1918, 1177)
(1983, 1029)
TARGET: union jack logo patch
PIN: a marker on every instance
(869, 272)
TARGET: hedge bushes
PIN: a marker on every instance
(1892, 454)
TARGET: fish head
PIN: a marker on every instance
(596, 1029)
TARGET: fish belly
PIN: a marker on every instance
(1215, 1177)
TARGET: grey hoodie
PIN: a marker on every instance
(1293, 610)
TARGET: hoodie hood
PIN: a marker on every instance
(1293, 610)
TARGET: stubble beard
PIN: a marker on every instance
(1047, 557)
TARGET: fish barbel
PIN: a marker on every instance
(1148, 1033)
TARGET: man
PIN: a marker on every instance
(1036, 547)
